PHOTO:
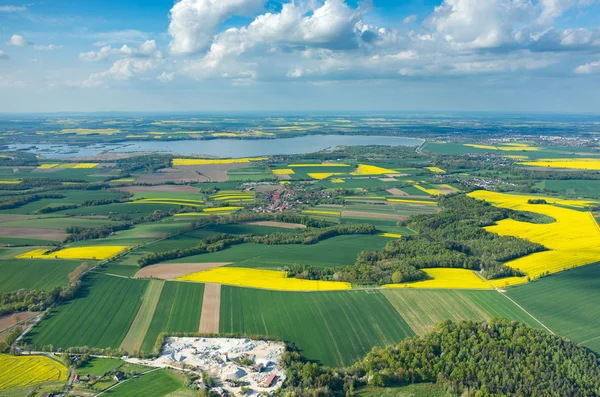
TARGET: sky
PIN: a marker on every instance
(300, 55)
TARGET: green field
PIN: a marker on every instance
(415, 390)
(567, 303)
(99, 317)
(98, 366)
(423, 309)
(332, 328)
(178, 310)
(35, 273)
(157, 383)
(573, 187)
(336, 251)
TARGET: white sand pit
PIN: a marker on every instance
(231, 362)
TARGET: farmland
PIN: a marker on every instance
(178, 310)
(552, 299)
(334, 252)
(19, 372)
(332, 328)
(99, 317)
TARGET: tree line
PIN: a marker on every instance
(221, 242)
(499, 358)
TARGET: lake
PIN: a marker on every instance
(223, 147)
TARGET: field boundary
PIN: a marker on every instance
(139, 327)
(530, 315)
(211, 309)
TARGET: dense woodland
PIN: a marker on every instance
(499, 358)
(453, 238)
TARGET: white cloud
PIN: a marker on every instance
(194, 22)
(165, 77)
(409, 19)
(588, 68)
(121, 70)
(49, 47)
(13, 8)
(118, 36)
(147, 49)
(18, 41)
(3, 55)
(552, 9)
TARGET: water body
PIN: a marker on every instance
(222, 147)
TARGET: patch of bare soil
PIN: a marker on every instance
(158, 188)
(219, 172)
(283, 177)
(8, 218)
(174, 174)
(211, 309)
(282, 225)
(267, 188)
(373, 215)
(388, 179)
(50, 234)
(169, 271)
(397, 192)
(15, 318)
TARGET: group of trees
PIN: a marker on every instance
(453, 238)
(34, 300)
(499, 358)
(18, 201)
(220, 242)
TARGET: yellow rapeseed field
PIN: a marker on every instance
(180, 162)
(10, 181)
(508, 281)
(447, 278)
(318, 165)
(573, 240)
(436, 170)
(337, 180)
(266, 279)
(122, 180)
(365, 169)
(391, 235)
(516, 157)
(85, 165)
(323, 175)
(22, 371)
(46, 166)
(99, 252)
(578, 164)
(218, 209)
(420, 202)
(319, 212)
(507, 147)
(283, 171)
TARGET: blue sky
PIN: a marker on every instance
(232, 55)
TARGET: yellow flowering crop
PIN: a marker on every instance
(217, 209)
(120, 180)
(572, 239)
(98, 252)
(85, 165)
(337, 180)
(183, 214)
(508, 281)
(578, 164)
(283, 171)
(319, 165)
(21, 371)
(436, 170)
(180, 162)
(391, 235)
(10, 181)
(47, 166)
(515, 157)
(507, 147)
(319, 212)
(365, 169)
(447, 278)
(323, 175)
(420, 202)
(258, 278)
